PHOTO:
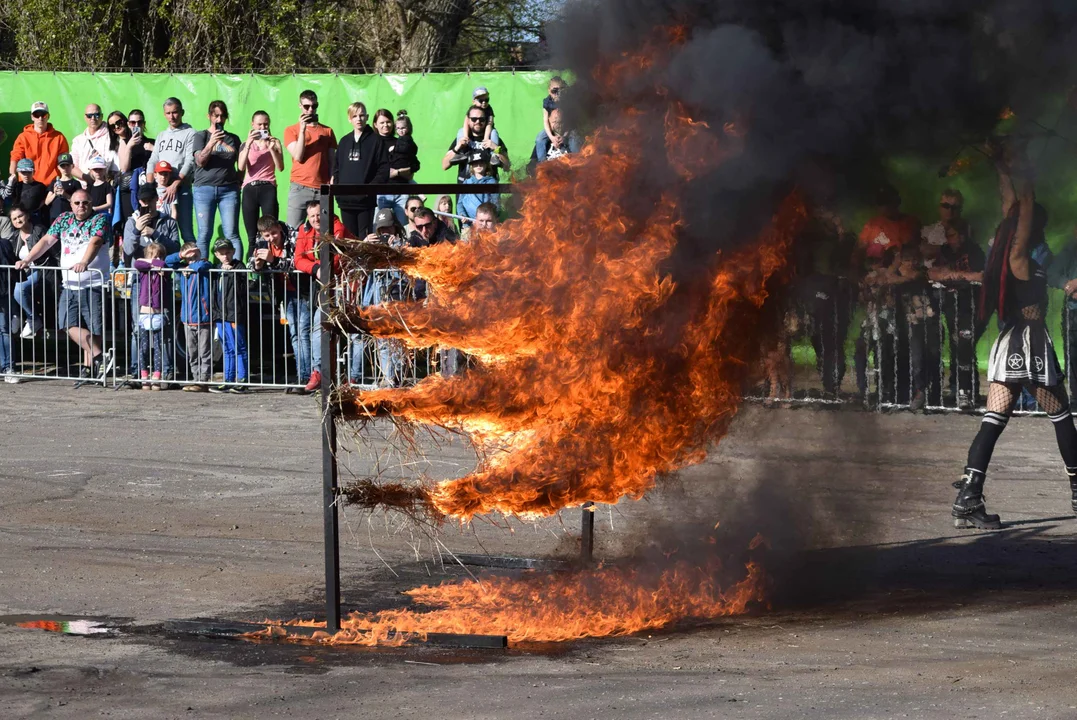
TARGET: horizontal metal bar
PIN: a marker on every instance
(418, 189)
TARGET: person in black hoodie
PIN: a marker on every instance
(232, 301)
(362, 158)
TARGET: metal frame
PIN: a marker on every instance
(328, 369)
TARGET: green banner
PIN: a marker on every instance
(436, 104)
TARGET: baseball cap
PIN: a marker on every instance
(148, 192)
(24, 165)
(222, 245)
(38, 106)
(64, 159)
(97, 162)
(480, 91)
(478, 156)
(384, 218)
(163, 167)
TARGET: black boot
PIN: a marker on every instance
(1072, 472)
(969, 509)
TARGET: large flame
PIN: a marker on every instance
(597, 372)
(601, 602)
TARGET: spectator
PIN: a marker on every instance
(149, 226)
(261, 157)
(485, 218)
(430, 230)
(473, 138)
(26, 190)
(951, 203)
(65, 184)
(306, 261)
(310, 144)
(549, 104)
(136, 121)
(413, 205)
(480, 100)
(100, 187)
(216, 181)
(174, 146)
(961, 262)
(889, 229)
(362, 157)
(563, 143)
(195, 306)
(164, 171)
(232, 299)
(274, 252)
(97, 140)
(403, 162)
(19, 230)
(151, 318)
(132, 155)
(382, 287)
(7, 275)
(444, 210)
(479, 163)
(81, 234)
(41, 142)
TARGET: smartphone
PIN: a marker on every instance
(314, 117)
(218, 126)
(137, 132)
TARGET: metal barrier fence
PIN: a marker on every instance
(911, 346)
(203, 326)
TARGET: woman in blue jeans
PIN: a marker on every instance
(29, 291)
(216, 180)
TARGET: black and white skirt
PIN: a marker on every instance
(1025, 354)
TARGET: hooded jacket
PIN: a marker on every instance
(361, 162)
(195, 293)
(43, 148)
(176, 147)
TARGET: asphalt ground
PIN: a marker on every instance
(144, 507)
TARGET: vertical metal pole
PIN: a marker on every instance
(587, 532)
(326, 258)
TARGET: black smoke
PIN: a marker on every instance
(826, 90)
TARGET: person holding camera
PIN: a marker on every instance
(311, 145)
(216, 180)
(261, 157)
(362, 158)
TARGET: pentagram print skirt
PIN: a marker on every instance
(1025, 354)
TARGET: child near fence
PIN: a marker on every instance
(151, 317)
(231, 323)
(192, 271)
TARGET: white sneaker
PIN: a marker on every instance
(27, 331)
(12, 380)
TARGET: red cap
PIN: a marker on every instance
(162, 167)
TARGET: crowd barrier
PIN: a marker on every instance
(273, 342)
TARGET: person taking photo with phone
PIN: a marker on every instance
(311, 145)
(261, 157)
(216, 180)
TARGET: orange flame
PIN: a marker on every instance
(601, 602)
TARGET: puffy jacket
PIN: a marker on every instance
(196, 298)
(306, 252)
(43, 148)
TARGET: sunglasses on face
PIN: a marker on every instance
(39, 114)
(310, 107)
(477, 119)
(80, 202)
(118, 123)
(950, 206)
(423, 226)
(414, 208)
(94, 115)
(482, 99)
(555, 91)
(136, 122)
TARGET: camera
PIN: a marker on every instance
(263, 134)
(384, 237)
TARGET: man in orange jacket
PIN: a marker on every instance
(41, 142)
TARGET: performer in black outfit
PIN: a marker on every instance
(1023, 356)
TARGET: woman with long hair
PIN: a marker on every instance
(1015, 286)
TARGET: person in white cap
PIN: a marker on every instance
(41, 142)
(95, 141)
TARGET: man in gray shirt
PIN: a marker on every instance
(176, 146)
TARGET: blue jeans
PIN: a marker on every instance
(297, 310)
(357, 361)
(185, 213)
(234, 339)
(29, 294)
(151, 337)
(316, 340)
(397, 203)
(208, 199)
(542, 145)
(391, 362)
(5, 336)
